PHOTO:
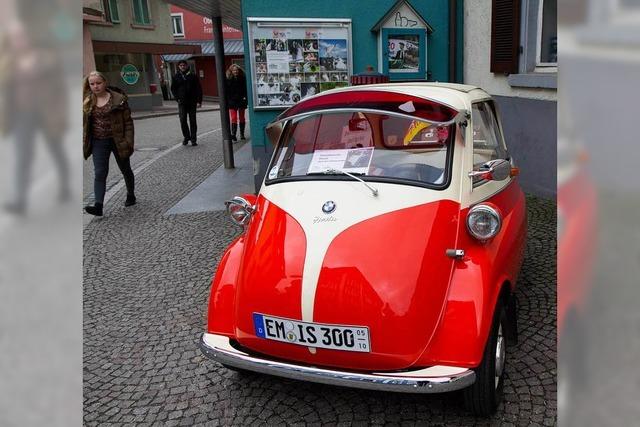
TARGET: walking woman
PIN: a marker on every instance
(236, 99)
(107, 128)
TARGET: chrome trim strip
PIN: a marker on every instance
(218, 348)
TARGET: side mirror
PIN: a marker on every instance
(239, 210)
(494, 170)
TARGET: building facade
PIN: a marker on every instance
(124, 41)
(330, 41)
(191, 29)
(511, 52)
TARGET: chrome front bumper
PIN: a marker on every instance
(435, 379)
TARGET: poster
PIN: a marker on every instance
(404, 53)
(291, 62)
(355, 160)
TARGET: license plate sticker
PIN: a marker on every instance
(318, 335)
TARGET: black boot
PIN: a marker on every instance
(131, 200)
(94, 210)
(242, 131)
(234, 130)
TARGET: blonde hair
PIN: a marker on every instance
(231, 68)
(89, 98)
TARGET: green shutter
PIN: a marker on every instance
(137, 12)
(145, 11)
(113, 11)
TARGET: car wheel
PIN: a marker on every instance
(484, 396)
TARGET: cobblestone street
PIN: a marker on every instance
(146, 287)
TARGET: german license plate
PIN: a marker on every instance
(335, 337)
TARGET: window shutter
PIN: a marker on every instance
(505, 36)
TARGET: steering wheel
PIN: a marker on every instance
(406, 171)
(416, 172)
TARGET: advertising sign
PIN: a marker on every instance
(129, 74)
(296, 58)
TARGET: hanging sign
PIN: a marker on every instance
(129, 74)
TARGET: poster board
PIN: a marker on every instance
(294, 58)
(404, 53)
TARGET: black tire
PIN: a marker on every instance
(484, 396)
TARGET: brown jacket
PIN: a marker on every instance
(121, 124)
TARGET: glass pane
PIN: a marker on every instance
(486, 142)
(367, 144)
(549, 35)
(177, 25)
(404, 53)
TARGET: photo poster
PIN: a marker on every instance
(404, 53)
(291, 64)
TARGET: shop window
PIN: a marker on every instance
(141, 12)
(112, 14)
(178, 24)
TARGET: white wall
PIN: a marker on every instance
(477, 55)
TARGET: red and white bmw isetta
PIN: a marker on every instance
(383, 248)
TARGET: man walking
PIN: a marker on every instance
(186, 88)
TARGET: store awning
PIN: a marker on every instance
(228, 10)
(101, 46)
(231, 47)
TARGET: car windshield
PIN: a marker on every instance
(374, 145)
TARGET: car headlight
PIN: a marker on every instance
(483, 222)
(239, 210)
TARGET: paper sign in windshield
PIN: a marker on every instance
(356, 160)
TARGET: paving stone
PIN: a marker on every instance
(146, 288)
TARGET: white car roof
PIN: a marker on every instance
(458, 96)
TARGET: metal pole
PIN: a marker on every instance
(453, 40)
(218, 44)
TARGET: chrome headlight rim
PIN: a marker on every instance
(486, 209)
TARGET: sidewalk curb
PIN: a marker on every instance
(171, 113)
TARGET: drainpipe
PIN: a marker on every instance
(218, 45)
(453, 42)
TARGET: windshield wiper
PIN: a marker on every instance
(332, 171)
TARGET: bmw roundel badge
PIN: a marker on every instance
(328, 207)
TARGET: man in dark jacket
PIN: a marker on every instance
(186, 88)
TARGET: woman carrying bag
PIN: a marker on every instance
(107, 128)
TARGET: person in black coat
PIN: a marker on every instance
(236, 87)
(186, 89)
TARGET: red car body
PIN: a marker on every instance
(384, 260)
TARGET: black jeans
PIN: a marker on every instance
(26, 130)
(190, 110)
(101, 150)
